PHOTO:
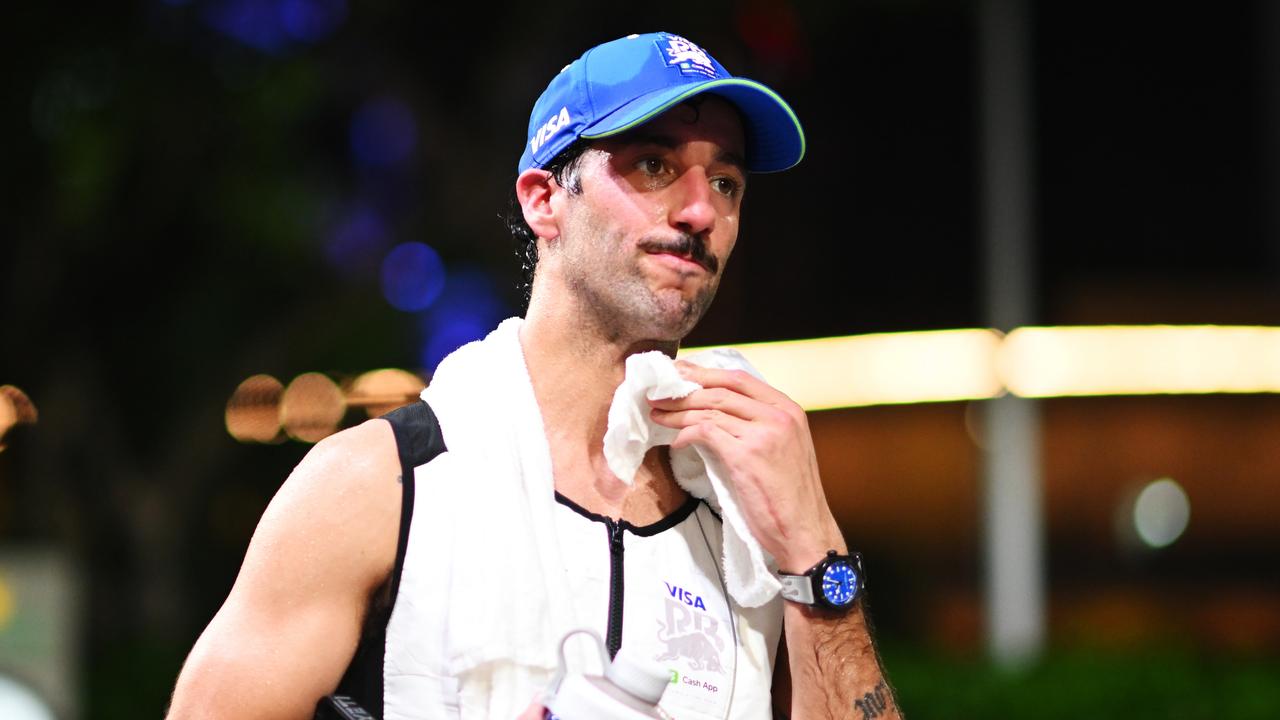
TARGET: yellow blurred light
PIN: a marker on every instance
(381, 391)
(862, 370)
(26, 413)
(8, 417)
(253, 411)
(311, 407)
(1140, 360)
(880, 369)
(8, 608)
(15, 409)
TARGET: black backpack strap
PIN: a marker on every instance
(418, 437)
(418, 441)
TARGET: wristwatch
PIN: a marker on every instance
(833, 584)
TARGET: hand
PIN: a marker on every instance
(763, 439)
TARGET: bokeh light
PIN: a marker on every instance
(311, 407)
(8, 608)
(274, 25)
(19, 702)
(1161, 513)
(357, 241)
(467, 310)
(412, 276)
(312, 20)
(381, 391)
(383, 133)
(253, 411)
(15, 409)
(8, 418)
(255, 23)
(22, 405)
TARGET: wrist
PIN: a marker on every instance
(804, 554)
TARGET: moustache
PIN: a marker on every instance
(692, 246)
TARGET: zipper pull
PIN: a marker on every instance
(615, 533)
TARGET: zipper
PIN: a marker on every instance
(614, 640)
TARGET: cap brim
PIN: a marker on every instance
(775, 140)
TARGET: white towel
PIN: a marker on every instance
(498, 459)
(748, 568)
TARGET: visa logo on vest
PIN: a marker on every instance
(557, 123)
(685, 596)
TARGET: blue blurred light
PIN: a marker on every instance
(468, 310)
(412, 276)
(255, 23)
(312, 20)
(383, 133)
(451, 333)
(357, 241)
(274, 25)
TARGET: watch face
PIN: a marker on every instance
(840, 583)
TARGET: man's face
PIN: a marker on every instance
(643, 245)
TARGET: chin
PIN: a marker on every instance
(676, 316)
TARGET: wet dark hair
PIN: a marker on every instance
(564, 168)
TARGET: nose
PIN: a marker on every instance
(693, 211)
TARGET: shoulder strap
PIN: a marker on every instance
(418, 441)
(418, 437)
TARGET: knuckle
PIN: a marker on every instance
(778, 416)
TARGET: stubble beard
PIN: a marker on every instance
(623, 305)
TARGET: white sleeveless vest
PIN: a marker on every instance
(674, 609)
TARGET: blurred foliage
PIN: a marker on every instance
(135, 680)
(1169, 684)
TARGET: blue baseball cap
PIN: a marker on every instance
(627, 82)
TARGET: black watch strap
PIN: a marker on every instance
(806, 589)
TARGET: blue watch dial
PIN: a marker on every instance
(840, 583)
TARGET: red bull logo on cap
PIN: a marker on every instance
(687, 56)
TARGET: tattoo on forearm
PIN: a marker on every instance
(874, 703)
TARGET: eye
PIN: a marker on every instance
(651, 165)
(726, 186)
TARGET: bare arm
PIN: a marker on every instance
(832, 669)
(763, 438)
(288, 630)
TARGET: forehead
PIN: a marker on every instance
(703, 118)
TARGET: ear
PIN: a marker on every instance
(534, 189)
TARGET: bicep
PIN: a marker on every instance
(287, 631)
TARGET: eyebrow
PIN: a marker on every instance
(666, 141)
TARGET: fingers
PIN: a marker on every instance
(739, 381)
(679, 419)
(719, 399)
(709, 435)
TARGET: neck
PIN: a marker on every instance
(575, 363)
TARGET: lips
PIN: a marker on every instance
(678, 261)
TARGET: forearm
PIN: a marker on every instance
(835, 671)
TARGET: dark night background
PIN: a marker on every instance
(200, 191)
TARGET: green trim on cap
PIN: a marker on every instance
(703, 88)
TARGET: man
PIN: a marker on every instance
(631, 185)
